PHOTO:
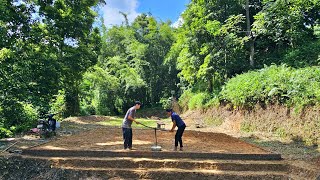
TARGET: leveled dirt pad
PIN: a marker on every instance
(110, 139)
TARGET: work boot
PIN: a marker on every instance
(181, 148)
(175, 148)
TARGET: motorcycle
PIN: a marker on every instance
(47, 128)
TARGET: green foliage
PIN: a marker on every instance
(317, 31)
(285, 31)
(191, 100)
(166, 103)
(40, 56)
(4, 54)
(28, 120)
(287, 22)
(57, 105)
(303, 56)
(24, 117)
(131, 67)
(197, 101)
(3, 4)
(73, 41)
(99, 92)
(185, 98)
(209, 45)
(212, 102)
(4, 133)
(274, 84)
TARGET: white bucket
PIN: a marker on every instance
(155, 148)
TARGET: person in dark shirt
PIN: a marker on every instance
(177, 122)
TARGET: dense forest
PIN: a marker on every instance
(58, 57)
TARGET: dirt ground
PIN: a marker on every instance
(110, 138)
(143, 139)
(84, 133)
(292, 151)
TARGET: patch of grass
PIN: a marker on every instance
(281, 132)
(213, 121)
(292, 150)
(149, 112)
(247, 127)
(117, 121)
(111, 122)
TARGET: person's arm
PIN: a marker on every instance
(173, 125)
(133, 120)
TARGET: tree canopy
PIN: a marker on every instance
(57, 56)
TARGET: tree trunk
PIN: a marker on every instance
(72, 102)
(249, 34)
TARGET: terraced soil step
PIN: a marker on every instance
(138, 163)
(149, 154)
(167, 173)
(302, 169)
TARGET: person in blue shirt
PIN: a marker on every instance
(177, 122)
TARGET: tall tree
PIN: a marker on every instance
(288, 22)
(210, 42)
(19, 61)
(158, 37)
(74, 40)
(133, 57)
(285, 26)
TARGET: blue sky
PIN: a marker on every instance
(161, 9)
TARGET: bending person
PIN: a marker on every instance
(177, 122)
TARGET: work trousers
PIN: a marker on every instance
(178, 136)
(127, 137)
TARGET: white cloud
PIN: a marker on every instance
(178, 23)
(112, 8)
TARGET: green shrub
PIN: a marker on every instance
(87, 110)
(31, 119)
(275, 85)
(57, 105)
(4, 133)
(303, 56)
(166, 103)
(28, 119)
(198, 101)
(18, 116)
(213, 102)
(185, 98)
